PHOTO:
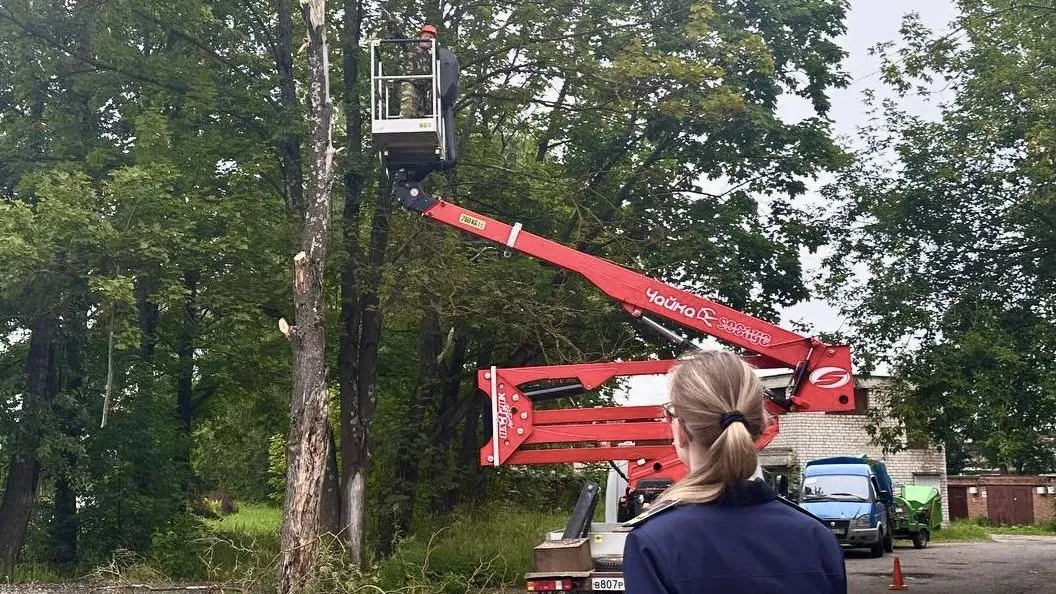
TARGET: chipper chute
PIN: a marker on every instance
(918, 513)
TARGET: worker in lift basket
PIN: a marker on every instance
(721, 528)
(414, 93)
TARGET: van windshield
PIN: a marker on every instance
(836, 487)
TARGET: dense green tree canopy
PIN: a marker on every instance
(954, 221)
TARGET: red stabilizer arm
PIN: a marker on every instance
(522, 435)
(579, 434)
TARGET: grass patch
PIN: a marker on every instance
(488, 548)
(468, 550)
(981, 529)
(1034, 530)
(257, 519)
(242, 548)
(479, 550)
(463, 551)
(961, 530)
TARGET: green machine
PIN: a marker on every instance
(918, 513)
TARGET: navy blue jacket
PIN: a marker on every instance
(748, 541)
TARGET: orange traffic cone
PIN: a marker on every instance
(896, 578)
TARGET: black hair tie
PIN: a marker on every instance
(729, 418)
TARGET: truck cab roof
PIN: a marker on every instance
(845, 460)
(856, 466)
(859, 469)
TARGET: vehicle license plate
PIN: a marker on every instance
(607, 583)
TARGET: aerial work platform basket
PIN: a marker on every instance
(409, 123)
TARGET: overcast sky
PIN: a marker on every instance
(869, 22)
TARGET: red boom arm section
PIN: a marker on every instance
(826, 369)
(522, 435)
(822, 378)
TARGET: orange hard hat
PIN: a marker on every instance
(427, 29)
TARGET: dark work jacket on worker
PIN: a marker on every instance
(747, 541)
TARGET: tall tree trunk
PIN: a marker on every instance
(330, 499)
(358, 346)
(306, 450)
(149, 315)
(354, 490)
(452, 410)
(20, 491)
(351, 520)
(64, 525)
(469, 454)
(357, 397)
(290, 143)
(23, 474)
(186, 407)
(413, 440)
(469, 451)
(148, 320)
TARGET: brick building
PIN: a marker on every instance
(808, 436)
(1004, 499)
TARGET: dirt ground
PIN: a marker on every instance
(1009, 564)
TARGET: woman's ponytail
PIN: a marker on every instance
(734, 455)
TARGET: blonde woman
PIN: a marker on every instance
(720, 529)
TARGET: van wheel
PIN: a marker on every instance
(889, 542)
(920, 539)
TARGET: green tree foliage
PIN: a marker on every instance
(124, 213)
(954, 220)
(146, 158)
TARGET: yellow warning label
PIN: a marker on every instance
(471, 221)
(598, 538)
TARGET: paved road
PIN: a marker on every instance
(1009, 564)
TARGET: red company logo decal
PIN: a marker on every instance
(830, 377)
(503, 416)
(704, 314)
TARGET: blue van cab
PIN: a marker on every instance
(854, 497)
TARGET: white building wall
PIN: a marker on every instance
(819, 435)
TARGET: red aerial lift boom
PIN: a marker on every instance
(821, 380)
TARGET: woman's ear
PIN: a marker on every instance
(681, 437)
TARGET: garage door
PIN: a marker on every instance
(958, 502)
(1010, 505)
